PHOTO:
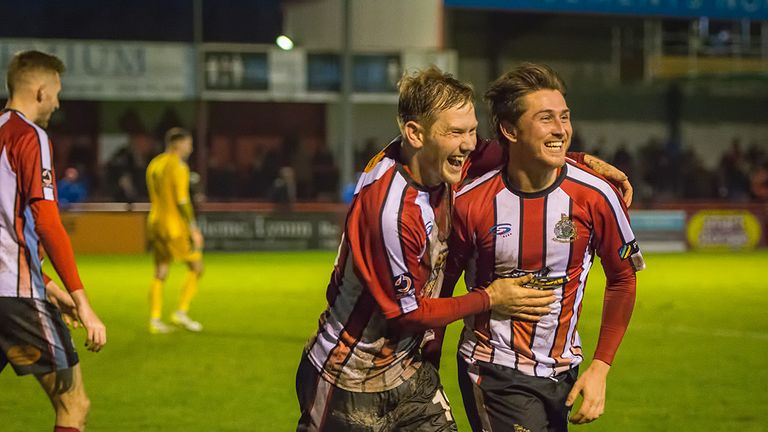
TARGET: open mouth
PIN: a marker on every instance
(456, 161)
(555, 145)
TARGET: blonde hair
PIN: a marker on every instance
(25, 63)
(426, 93)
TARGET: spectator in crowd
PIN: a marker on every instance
(733, 174)
(125, 169)
(283, 190)
(72, 188)
(325, 174)
(369, 150)
(759, 181)
(221, 178)
(623, 160)
(697, 182)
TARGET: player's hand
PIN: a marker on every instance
(510, 297)
(97, 332)
(591, 385)
(63, 301)
(197, 238)
(613, 174)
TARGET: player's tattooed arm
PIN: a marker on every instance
(95, 329)
(613, 174)
(62, 300)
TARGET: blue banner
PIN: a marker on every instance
(724, 9)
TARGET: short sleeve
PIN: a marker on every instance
(34, 168)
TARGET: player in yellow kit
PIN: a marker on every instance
(172, 229)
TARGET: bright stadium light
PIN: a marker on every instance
(284, 42)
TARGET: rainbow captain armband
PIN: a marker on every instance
(631, 250)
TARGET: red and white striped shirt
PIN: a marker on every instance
(391, 257)
(26, 174)
(552, 234)
(388, 274)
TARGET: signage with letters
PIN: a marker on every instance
(724, 230)
(112, 70)
(229, 231)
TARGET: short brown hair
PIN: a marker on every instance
(505, 96)
(424, 94)
(176, 134)
(25, 62)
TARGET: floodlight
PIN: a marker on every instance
(284, 42)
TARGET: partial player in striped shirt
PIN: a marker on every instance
(545, 216)
(33, 336)
(364, 369)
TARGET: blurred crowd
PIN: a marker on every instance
(664, 172)
(289, 170)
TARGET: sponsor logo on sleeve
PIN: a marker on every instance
(404, 286)
(502, 229)
(47, 178)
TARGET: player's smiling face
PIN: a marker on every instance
(447, 144)
(543, 133)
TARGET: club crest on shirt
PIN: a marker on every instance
(47, 178)
(565, 230)
(404, 286)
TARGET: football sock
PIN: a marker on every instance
(188, 291)
(156, 299)
(65, 429)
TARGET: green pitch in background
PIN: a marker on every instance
(694, 357)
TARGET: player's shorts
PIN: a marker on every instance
(33, 337)
(499, 398)
(174, 249)
(419, 404)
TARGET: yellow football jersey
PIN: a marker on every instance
(168, 185)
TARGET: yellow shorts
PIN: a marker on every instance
(174, 249)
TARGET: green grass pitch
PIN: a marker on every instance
(694, 357)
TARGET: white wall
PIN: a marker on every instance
(377, 25)
(369, 120)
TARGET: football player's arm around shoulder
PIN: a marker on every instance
(435, 313)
